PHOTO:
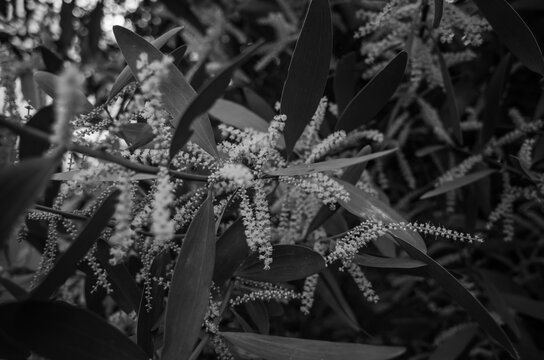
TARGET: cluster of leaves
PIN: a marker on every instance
(207, 290)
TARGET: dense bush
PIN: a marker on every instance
(358, 179)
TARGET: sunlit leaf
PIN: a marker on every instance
(238, 116)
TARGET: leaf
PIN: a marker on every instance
(15, 290)
(438, 12)
(236, 115)
(20, 185)
(86, 238)
(493, 99)
(367, 207)
(258, 105)
(308, 71)
(125, 76)
(289, 262)
(513, 32)
(231, 250)
(281, 348)
(205, 99)
(176, 92)
(30, 146)
(125, 290)
(462, 296)
(48, 82)
(388, 263)
(344, 81)
(525, 306)
(372, 98)
(457, 183)
(305, 169)
(69, 175)
(57, 330)
(453, 346)
(190, 285)
(452, 122)
(258, 312)
(330, 292)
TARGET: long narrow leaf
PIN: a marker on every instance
(452, 122)
(67, 263)
(304, 169)
(190, 285)
(372, 98)
(462, 296)
(125, 76)
(281, 348)
(308, 71)
(205, 99)
(513, 32)
(176, 93)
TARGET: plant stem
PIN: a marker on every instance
(99, 154)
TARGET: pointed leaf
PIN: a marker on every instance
(230, 252)
(438, 12)
(452, 122)
(493, 99)
(205, 99)
(238, 116)
(281, 348)
(329, 290)
(20, 185)
(452, 347)
(457, 183)
(15, 290)
(57, 330)
(125, 290)
(258, 105)
(190, 285)
(305, 169)
(372, 98)
(48, 82)
(344, 81)
(388, 263)
(125, 76)
(513, 32)
(176, 92)
(67, 263)
(289, 262)
(462, 296)
(367, 207)
(525, 306)
(30, 146)
(308, 71)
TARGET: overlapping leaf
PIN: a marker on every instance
(66, 265)
(57, 330)
(289, 262)
(457, 183)
(176, 93)
(372, 98)
(308, 71)
(190, 285)
(513, 32)
(205, 99)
